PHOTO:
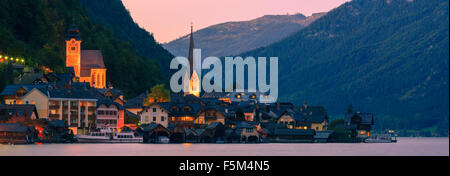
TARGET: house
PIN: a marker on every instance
(152, 133)
(77, 107)
(154, 113)
(182, 114)
(12, 94)
(359, 123)
(322, 136)
(113, 94)
(294, 135)
(17, 134)
(191, 136)
(315, 117)
(27, 112)
(288, 118)
(216, 131)
(110, 115)
(210, 114)
(135, 105)
(247, 132)
(177, 133)
(205, 136)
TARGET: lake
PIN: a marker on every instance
(404, 147)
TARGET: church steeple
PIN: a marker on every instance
(73, 32)
(191, 50)
(194, 82)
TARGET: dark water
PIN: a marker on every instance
(404, 147)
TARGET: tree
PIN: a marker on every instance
(336, 122)
(350, 109)
(159, 94)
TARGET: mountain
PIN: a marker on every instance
(36, 29)
(390, 58)
(231, 38)
(113, 15)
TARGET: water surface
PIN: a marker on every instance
(404, 147)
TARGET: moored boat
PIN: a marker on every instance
(109, 137)
(388, 137)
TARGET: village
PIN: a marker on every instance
(81, 106)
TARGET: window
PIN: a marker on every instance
(154, 119)
(249, 130)
(154, 109)
(73, 48)
(162, 118)
(146, 119)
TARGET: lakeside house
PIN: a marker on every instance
(154, 113)
(17, 134)
(360, 124)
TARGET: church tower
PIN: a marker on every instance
(73, 49)
(194, 82)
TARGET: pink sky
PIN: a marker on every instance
(170, 19)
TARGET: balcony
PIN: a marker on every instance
(53, 116)
(92, 108)
(210, 117)
(54, 107)
(92, 117)
(74, 116)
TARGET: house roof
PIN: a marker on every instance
(136, 102)
(366, 118)
(90, 59)
(294, 132)
(28, 78)
(244, 125)
(312, 114)
(13, 127)
(108, 103)
(179, 111)
(20, 110)
(214, 95)
(11, 89)
(152, 126)
(70, 93)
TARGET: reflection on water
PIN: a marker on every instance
(404, 147)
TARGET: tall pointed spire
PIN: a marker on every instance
(191, 50)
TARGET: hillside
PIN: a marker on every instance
(232, 38)
(35, 30)
(113, 15)
(386, 57)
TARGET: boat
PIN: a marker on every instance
(388, 137)
(108, 136)
(163, 140)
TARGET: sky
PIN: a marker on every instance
(171, 19)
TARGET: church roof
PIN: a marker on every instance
(90, 59)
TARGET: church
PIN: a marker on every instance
(87, 64)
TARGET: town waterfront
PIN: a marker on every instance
(404, 147)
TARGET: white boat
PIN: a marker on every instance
(381, 138)
(163, 140)
(107, 136)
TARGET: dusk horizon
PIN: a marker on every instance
(204, 13)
